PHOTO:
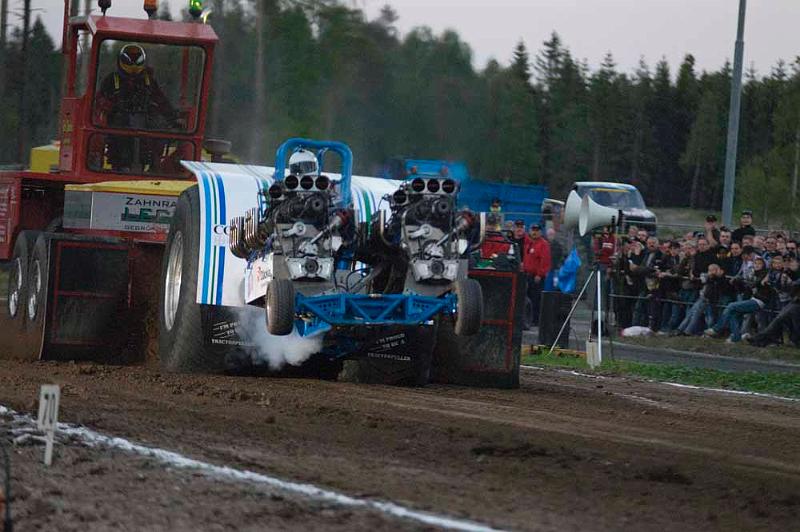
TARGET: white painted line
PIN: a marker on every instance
(723, 390)
(568, 371)
(91, 438)
(676, 384)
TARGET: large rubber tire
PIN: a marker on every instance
(469, 311)
(36, 297)
(279, 307)
(17, 289)
(181, 342)
(38, 278)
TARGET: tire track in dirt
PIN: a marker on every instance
(541, 420)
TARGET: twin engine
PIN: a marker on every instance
(300, 224)
(425, 225)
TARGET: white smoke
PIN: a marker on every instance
(277, 351)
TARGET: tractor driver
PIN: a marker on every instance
(130, 98)
(303, 163)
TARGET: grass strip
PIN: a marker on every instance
(782, 384)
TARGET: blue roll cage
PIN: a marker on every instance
(320, 147)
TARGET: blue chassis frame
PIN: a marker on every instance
(325, 311)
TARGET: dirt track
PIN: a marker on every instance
(564, 452)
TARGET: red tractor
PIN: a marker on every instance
(84, 239)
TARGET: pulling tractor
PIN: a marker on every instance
(129, 245)
(312, 265)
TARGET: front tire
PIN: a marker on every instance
(181, 342)
(279, 307)
(469, 311)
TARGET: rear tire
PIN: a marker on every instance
(35, 304)
(469, 311)
(279, 307)
(181, 342)
(38, 280)
(17, 289)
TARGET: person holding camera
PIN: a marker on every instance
(715, 288)
(625, 283)
(781, 281)
(647, 272)
(788, 319)
(687, 293)
(669, 288)
(731, 319)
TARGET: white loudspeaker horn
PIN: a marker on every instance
(572, 210)
(592, 215)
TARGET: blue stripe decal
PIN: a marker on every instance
(214, 249)
(209, 228)
(222, 221)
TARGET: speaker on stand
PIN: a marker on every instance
(591, 216)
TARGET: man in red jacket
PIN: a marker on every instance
(524, 246)
(495, 243)
(604, 247)
(538, 265)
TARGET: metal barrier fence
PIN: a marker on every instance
(769, 309)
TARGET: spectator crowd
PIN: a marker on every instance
(737, 284)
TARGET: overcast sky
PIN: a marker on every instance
(590, 28)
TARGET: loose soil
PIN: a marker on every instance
(564, 452)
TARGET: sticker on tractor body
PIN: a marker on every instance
(112, 211)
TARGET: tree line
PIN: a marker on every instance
(321, 69)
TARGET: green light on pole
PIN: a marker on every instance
(195, 8)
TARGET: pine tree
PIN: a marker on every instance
(549, 62)
(387, 20)
(520, 64)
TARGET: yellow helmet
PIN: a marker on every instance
(132, 59)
